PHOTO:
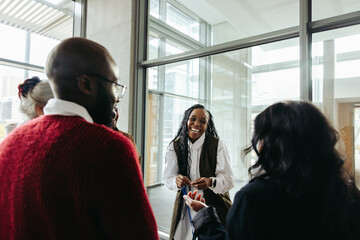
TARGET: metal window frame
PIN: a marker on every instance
(79, 18)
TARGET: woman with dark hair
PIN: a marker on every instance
(298, 190)
(197, 158)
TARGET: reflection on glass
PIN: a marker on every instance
(337, 85)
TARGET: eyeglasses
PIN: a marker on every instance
(120, 88)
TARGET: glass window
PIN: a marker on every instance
(233, 88)
(182, 22)
(161, 45)
(154, 8)
(324, 9)
(178, 78)
(198, 24)
(183, 78)
(153, 49)
(12, 43)
(44, 30)
(10, 78)
(336, 81)
(40, 48)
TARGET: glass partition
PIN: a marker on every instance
(336, 80)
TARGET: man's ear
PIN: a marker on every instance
(39, 110)
(87, 85)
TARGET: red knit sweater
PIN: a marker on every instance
(64, 178)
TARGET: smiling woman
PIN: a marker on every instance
(197, 159)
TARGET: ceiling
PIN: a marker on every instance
(50, 18)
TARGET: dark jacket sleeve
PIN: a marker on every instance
(207, 225)
(240, 221)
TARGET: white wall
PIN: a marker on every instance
(112, 24)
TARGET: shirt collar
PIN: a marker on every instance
(198, 143)
(56, 106)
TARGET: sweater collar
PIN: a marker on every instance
(56, 106)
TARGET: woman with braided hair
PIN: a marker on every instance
(197, 159)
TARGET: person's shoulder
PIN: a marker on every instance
(111, 135)
(258, 189)
(128, 135)
(170, 147)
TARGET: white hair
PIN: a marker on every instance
(38, 95)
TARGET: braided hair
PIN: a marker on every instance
(182, 134)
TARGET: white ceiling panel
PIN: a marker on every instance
(43, 17)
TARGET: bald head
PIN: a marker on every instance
(76, 69)
(75, 56)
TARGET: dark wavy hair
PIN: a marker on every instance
(183, 159)
(298, 153)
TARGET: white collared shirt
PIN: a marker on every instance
(56, 106)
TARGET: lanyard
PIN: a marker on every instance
(192, 231)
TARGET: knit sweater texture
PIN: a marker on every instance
(62, 177)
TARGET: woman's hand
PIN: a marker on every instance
(182, 181)
(202, 183)
(196, 203)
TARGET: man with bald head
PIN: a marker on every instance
(67, 175)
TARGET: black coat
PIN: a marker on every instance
(262, 211)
